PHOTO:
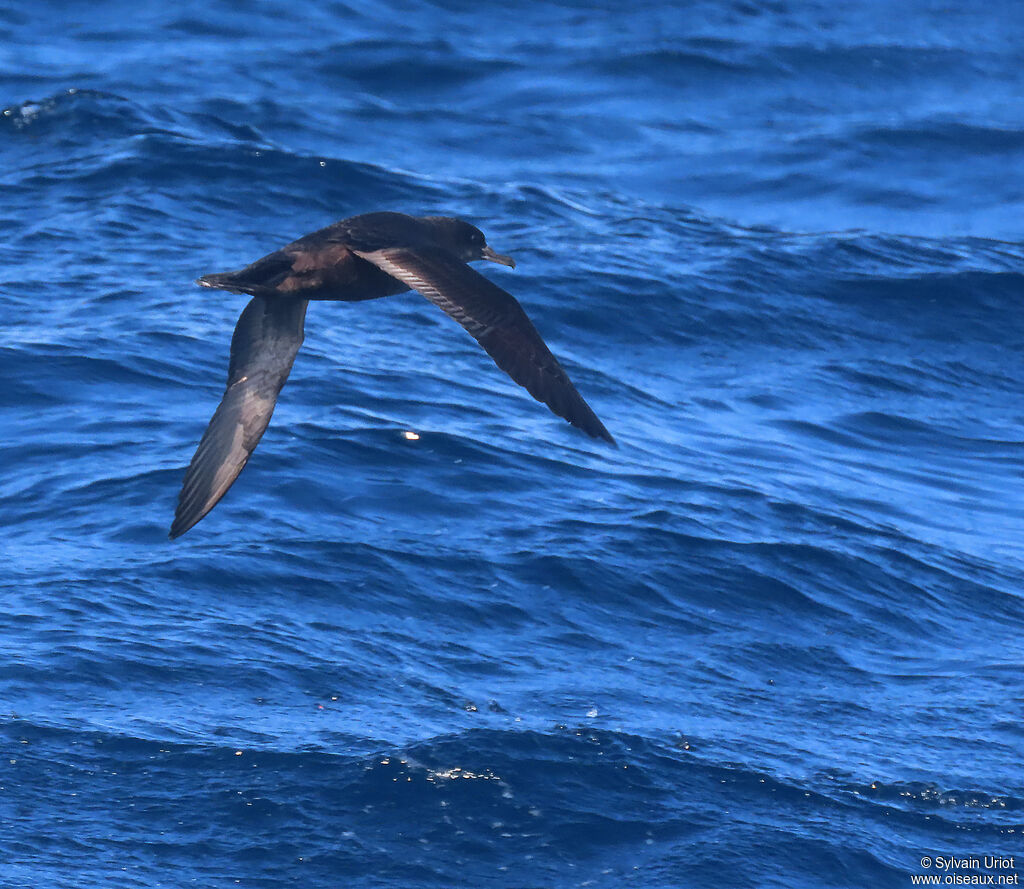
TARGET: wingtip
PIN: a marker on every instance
(603, 434)
(594, 427)
(184, 520)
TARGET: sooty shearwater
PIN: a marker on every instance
(364, 257)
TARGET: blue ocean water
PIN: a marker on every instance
(775, 639)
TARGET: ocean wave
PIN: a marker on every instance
(771, 636)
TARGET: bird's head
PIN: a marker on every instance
(464, 240)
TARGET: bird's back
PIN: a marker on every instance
(322, 265)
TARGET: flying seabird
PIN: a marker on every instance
(363, 257)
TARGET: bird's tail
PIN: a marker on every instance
(224, 281)
(256, 279)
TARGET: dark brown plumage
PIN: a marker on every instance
(364, 257)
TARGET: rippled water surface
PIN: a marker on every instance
(773, 639)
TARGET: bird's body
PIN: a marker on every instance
(363, 257)
(323, 265)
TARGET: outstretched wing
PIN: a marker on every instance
(266, 340)
(496, 321)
